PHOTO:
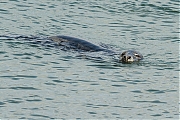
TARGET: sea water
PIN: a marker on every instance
(39, 82)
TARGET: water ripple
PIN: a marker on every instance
(23, 88)
(154, 101)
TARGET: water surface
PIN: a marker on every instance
(39, 82)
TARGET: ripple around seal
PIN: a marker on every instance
(105, 66)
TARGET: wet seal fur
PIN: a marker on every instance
(128, 56)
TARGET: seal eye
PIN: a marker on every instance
(137, 55)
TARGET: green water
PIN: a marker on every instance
(42, 83)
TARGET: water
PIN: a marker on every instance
(39, 82)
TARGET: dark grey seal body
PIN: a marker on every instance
(128, 56)
(75, 43)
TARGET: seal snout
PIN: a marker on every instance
(127, 58)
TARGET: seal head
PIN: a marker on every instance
(130, 56)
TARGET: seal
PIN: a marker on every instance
(127, 56)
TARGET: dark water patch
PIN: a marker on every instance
(96, 106)
(35, 45)
(24, 118)
(74, 90)
(2, 103)
(116, 114)
(55, 62)
(26, 76)
(54, 20)
(36, 64)
(15, 78)
(34, 100)
(89, 105)
(49, 98)
(49, 83)
(86, 81)
(17, 98)
(101, 73)
(3, 2)
(155, 101)
(47, 54)
(164, 8)
(117, 106)
(136, 81)
(71, 82)
(61, 68)
(127, 107)
(123, 107)
(18, 54)
(103, 79)
(21, 5)
(30, 108)
(92, 112)
(18, 77)
(5, 59)
(34, 96)
(171, 90)
(13, 101)
(25, 58)
(14, 44)
(14, 0)
(119, 85)
(41, 4)
(114, 92)
(94, 84)
(36, 56)
(58, 81)
(42, 116)
(23, 88)
(102, 105)
(169, 68)
(136, 91)
(154, 91)
(156, 115)
(40, 8)
(3, 52)
(4, 76)
(165, 112)
(3, 11)
(52, 77)
(168, 22)
(62, 59)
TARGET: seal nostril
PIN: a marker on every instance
(129, 57)
(124, 57)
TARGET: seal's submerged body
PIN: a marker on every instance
(128, 56)
(77, 44)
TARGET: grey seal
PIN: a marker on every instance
(127, 56)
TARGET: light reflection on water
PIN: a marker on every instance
(44, 82)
